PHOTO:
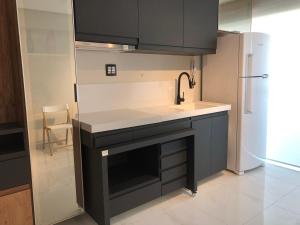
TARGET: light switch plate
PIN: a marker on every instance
(111, 69)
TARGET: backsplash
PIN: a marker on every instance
(143, 80)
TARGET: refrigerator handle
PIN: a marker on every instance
(248, 96)
(248, 86)
(249, 65)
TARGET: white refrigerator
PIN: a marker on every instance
(238, 75)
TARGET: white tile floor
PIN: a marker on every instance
(266, 196)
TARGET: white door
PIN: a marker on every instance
(253, 103)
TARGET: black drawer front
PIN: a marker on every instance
(161, 128)
(14, 172)
(104, 139)
(174, 173)
(173, 160)
(135, 198)
(174, 185)
(107, 140)
(174, 146)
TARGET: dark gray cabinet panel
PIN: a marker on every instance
(200, 23)
(202, 143)
(113, 21)
(211, 144)
(14, 172)
(161, 22)
(219, 143)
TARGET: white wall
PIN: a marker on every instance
(142, 80)
(235, 15)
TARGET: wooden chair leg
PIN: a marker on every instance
(49, 142)
(67, 135)
(44, 138)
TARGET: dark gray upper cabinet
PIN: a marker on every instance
(187, 27)
(161, 22)
(112, 21)
(200, 23)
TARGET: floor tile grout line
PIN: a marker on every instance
(271, 205)
(287, 210)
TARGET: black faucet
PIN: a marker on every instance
(192, 83)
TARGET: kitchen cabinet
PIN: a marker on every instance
(122, 170)
(186, 27)
(15, 174)
(113, 21)
(211, 144)
(202, 145)
(16, 207)
(179, 26)
(200, 23)
(219, 138)
(161, 23)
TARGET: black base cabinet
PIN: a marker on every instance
(210, 143)
(126, 168)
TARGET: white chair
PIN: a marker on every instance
(47, 129)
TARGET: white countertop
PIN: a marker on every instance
(124, 118)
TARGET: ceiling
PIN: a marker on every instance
(56, 6)
(226, 1)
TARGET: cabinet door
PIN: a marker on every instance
(16, 209)
(200, 23)
(161, 22)
(97, 19)
(202, 145)
(219, 139)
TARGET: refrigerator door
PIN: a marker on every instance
(253, 103)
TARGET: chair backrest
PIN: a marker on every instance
(56, 108)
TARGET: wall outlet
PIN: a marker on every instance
(111, 69)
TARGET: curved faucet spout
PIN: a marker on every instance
(191, 85)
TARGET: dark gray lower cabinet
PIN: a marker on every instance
(211, 144)
(125, 168)
(202, 145)
(219, 133)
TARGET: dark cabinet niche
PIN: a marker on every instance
(161, 22)
(131, 170)
(113, 21)
(200, 23)
(12, 143)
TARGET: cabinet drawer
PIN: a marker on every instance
(173, 160)
(174, 185)
(107, 140)
(14, 172)
(161, 128)
(174, 173)
(174, 146)
(135, 198)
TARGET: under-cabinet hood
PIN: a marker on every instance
(93, 46)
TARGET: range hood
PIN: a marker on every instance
(107, 47)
